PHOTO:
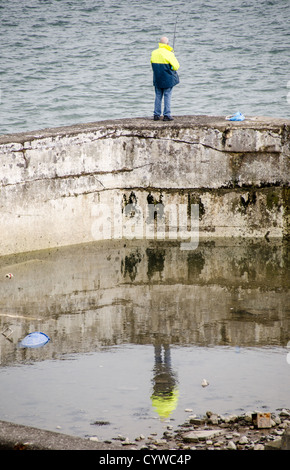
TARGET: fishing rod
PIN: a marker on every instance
(174, 33)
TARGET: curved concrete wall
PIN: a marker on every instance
(105, 180)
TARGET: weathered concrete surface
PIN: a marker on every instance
(18, 437)
(55, 181)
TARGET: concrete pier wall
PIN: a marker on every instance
(96, 181)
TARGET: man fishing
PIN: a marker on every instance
(165, 77)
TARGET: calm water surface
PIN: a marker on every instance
(135, 327)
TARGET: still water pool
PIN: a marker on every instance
(135, 327)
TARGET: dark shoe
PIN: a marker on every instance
(156, 118)
(168, 118)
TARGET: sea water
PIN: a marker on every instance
(65, 62)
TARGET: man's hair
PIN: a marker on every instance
(164, 40)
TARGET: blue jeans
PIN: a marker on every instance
(159, 94)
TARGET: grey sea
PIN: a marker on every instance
(130, 323)
(65, 62)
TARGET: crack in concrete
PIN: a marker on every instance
(116, 135)
(170, 139)
(79, 175)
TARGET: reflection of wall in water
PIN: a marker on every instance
(91, 296)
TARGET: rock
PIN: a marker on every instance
(160, 442)
(273, 445)
(231, 419)
(248, 417)
(195, 436)
(284, 425)
(127, 442)
(213, 419)
(286, 440)
(259, 447)
(243, 440)
(277, 420)
(231, 445)
(285, 413)
(196, 421)
(218, 444)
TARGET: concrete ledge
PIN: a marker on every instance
(18, 437)
(54, 182)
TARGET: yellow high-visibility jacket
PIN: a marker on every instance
(165, 66)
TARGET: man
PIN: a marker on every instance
(165, 77)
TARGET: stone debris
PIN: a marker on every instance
(243, 440)
(262, 420)
(203, 435)
(218, 432)
(231, 446)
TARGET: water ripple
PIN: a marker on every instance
(88, 54)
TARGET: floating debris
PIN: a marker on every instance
(101, 423)
(204, 383)
(9, 275)
(34, 340)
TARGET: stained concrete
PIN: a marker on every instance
(95, 181)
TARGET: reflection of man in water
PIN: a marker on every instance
(165, 392)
